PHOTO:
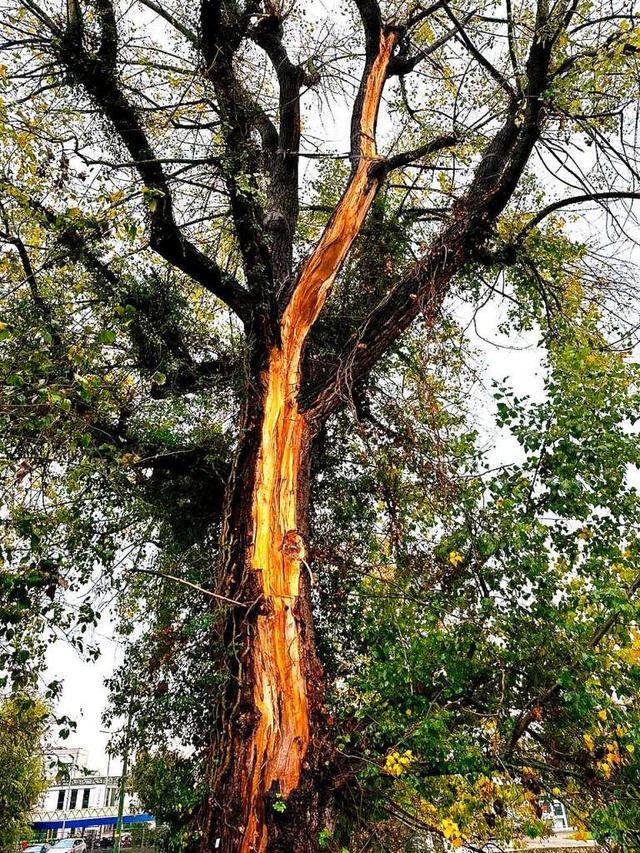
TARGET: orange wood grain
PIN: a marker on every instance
(281, 738)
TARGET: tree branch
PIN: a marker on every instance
(221, 36)
(169, 18)
(363, 123)
(98, 76)
(478, 56)
(368, 171)
(406, 158)
(30, 278)
(568, 202)
(194, 586)
(283, 205)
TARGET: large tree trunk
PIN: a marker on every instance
(267, 765)
(269, 755)
(268, 752)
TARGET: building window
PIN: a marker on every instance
(85, 798)
(560, 820)
(60, 800)
(74, 800)
(112, 796)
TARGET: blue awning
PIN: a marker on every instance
(92, 821)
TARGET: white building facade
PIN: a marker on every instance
(78, 802)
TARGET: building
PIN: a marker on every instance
(563, 833)
(81, 802)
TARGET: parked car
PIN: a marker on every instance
(69, 845)
(36, 848)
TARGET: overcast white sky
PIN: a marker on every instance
(84, 696)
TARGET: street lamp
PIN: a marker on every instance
(67, 797)
(123, 782)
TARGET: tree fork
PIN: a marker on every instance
(273, 755)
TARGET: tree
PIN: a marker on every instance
(165, 277)
(23, 724)
(166, 784)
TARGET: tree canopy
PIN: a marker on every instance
(240, 403)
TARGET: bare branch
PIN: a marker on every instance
(568, 202)
(478, 56)
(170, 19)
(194, 586)
(405, 158)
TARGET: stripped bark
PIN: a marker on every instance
(270, 754)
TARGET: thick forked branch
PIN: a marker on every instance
(97, 74)
(322, 267)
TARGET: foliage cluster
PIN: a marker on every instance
(23, 724)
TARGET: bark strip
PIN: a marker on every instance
(281, 737)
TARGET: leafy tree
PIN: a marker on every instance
(165, 782)
(190, 419)
(22, 728)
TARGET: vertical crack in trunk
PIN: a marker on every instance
(281, 736)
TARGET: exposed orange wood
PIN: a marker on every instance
(281, 737)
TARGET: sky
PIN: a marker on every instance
(84, 697)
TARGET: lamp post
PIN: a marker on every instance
(123, 782)
(67, 800)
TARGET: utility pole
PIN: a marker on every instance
(123, 782)
(66, 803)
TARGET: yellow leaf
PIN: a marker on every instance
(455, 558)
(602, 715)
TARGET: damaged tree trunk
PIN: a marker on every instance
(268, 760)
